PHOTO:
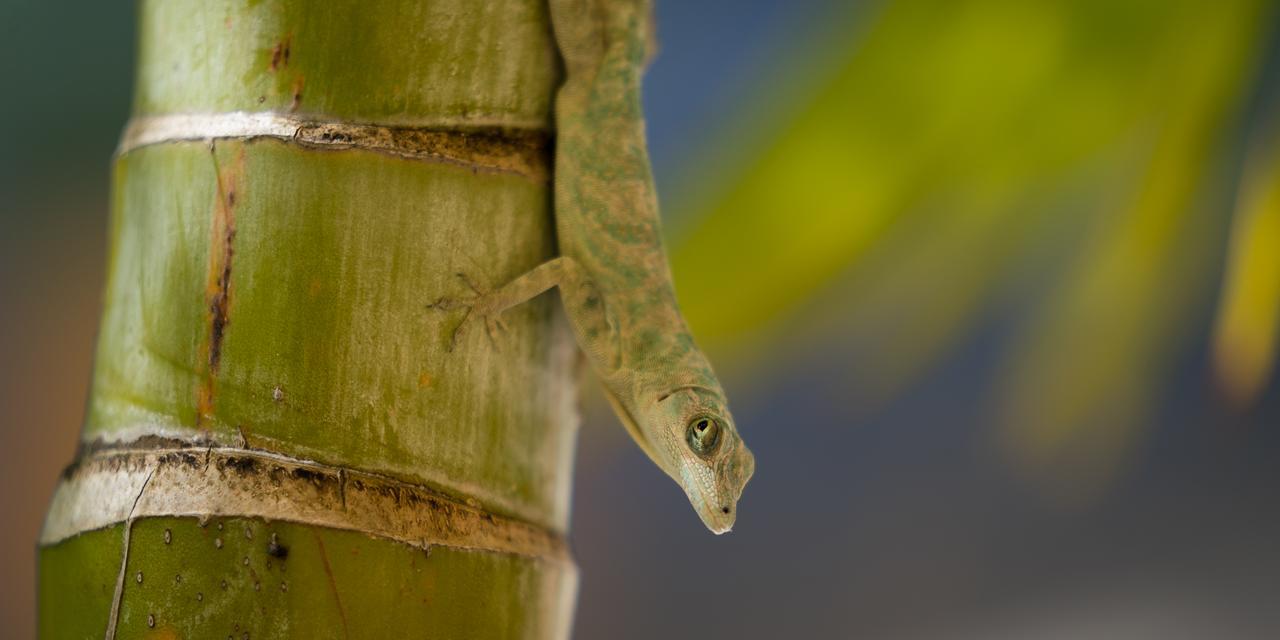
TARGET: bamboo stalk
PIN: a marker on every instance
(279, 440)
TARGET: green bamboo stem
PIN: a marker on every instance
(300, 180)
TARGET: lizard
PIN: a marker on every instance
(611, 270)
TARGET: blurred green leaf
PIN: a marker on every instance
(973, 102)
(1081, 380)
(960, 145)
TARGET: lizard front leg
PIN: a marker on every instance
(583, 303)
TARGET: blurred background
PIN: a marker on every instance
(994, 286)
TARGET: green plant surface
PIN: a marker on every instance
(454, 63)
(77, 580)
(248, 578)
(325, 348)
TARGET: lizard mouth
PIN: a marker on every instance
(716, 510)
(719, 517)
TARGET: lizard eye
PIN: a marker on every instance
(703, 435)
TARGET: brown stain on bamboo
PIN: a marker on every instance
(218, 281)
(298, 83)
(333, 585)
(280, 54)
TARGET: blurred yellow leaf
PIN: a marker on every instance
(1249, 315)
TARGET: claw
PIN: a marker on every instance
(494, 325)
(444, 304)
(457, 331)
(491, 325)
(470, 285)
(449, 304)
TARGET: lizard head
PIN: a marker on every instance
(698, 445)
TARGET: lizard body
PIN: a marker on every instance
(612, 271)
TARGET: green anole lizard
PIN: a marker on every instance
(612, 270)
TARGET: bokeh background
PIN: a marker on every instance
(994, 285)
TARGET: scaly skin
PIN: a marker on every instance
(612, 271)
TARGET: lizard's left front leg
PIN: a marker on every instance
(582, 301)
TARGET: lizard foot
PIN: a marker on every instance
(475, 308)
